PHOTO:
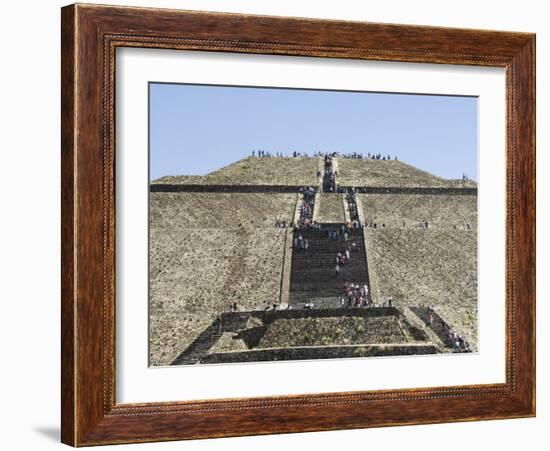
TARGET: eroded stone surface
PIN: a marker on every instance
(330, 208)
(392, 173)
(419, 267)
(207, 251)
(332, 331)
(257, 171)
(410, 210)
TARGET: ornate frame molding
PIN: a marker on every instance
(90, 37)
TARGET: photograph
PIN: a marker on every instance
(276, 226)
(301, 224)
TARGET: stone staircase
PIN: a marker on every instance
(439, 326)
(201, 345)
(352, 206)
(409, 341)
(200, 350)
(313, 279)
(226, 322)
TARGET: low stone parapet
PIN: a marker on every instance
(268, 316)
(410, 190)
(181, 188)
(189, 188)
(319, 352)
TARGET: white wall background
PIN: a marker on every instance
(29, 250)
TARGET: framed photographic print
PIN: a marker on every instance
(281, 224)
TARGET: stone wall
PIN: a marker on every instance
(203, 188)
(454, 191)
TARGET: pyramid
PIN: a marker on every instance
(213, 242)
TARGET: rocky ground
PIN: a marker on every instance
(330, 208)
(392, 173)
(256, 171)
(441, 211)
(206, 251)
(437, 268)
(332, 331)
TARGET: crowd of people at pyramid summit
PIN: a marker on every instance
(294, 154)
(369, 156)
(265, 154)
(350, 155)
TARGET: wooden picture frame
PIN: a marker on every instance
(90, 36)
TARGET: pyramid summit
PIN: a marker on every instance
(307, 171)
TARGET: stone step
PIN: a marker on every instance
(318, 284)
(322, 236)
(316, 303)
(328, 248)
(327, 270)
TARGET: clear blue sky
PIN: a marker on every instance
(197, 129)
